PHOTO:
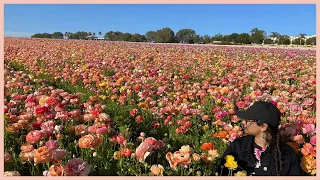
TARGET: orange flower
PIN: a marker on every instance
(42, 155)
(222, 134)
(125, 152)
(308, 149)
(207, 146)
(308, 164)
(56, 170)
(89, 141)
(26, 147)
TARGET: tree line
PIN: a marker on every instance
(187, 36)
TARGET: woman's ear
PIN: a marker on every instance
(264, 127)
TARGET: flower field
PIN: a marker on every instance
(136, 109)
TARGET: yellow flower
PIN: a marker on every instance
(122, 88)
(205, 127)
(85, 67)
(43, 100)
(102, 84)
(241, 173)
(73, 55)
(230, 162)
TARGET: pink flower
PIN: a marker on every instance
(295, 109)
(150, 140)
(308, 129)
(59, 154)
(52, 144)
(47, 128)
(77, 166)
(313, 140)
(240, 104)
(118, 139)
(34, 136)
(143, 151)
(7, 157)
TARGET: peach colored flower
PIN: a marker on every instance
(12, 173)
(298, 138)
(55, 170)
(177, 158)
(308, 149)
(42, 155)
(196, 157)
(27, 156)
(90, 141)
(157, 170)
(80, 129)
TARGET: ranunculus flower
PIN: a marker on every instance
(42, 155)
(59, 154)
(156, 170)
(55, 170)
(77, 167)
(7, 157)
(308, 149)
(52, 144)
(207, 146)
(34, 136)
(41, 110)
(12, 173)
(26, 156)
(143, 151)
(178, 158)
(26, 147)
(313, 140)
(90, 141)
(230, 162)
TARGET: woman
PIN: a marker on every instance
(261, 152)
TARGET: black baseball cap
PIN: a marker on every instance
(262, 111)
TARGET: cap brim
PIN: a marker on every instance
(244, 115)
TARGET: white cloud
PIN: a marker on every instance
(17, 34)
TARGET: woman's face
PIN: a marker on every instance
(251, 128)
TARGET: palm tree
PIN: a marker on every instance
(302, 35)
(94, 34)
(99, 34)
(65, 35)
(275, 36)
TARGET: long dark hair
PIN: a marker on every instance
(276, 145)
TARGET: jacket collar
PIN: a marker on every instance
(247, 150)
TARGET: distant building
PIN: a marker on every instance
(99, 39)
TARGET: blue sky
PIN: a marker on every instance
(211, 19)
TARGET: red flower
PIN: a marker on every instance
(36, 124)
(139, 119)
(207, 146)
(40, 110)
(95, 113)
(186, 76)
(133, 112)
(125, 152)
